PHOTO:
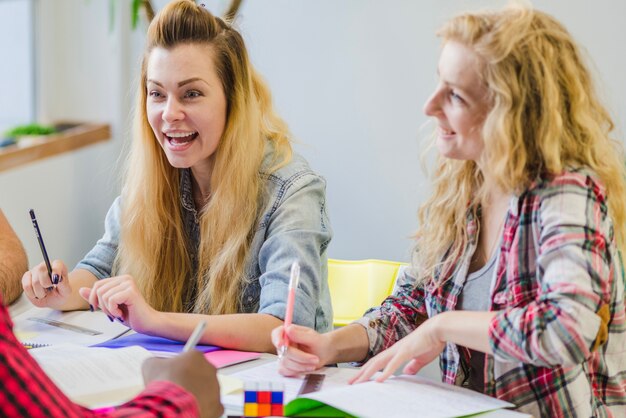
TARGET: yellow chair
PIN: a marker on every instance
(358, 285)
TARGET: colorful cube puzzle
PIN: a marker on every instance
(262, 399)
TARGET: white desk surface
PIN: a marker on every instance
(22, 304)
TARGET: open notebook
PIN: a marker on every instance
(400, 396)
(101, 377)
(94, 377)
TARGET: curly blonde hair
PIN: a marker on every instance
(545, 117)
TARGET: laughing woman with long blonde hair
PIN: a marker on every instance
(518, 282)
(215, 206)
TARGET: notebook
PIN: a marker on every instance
(399, 396)
(94, 377)
(101, 377)
(39, 327)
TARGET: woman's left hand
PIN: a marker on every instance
(119, 298)
(421, 347)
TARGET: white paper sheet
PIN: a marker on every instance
(94, 376)
(35, 325)
(404, 396)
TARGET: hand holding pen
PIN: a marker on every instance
(43, 284)
(192, 372)
(42, 246)
(300, 349)
(294, 279)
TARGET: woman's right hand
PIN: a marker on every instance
(39, 289)
(308, 350)
(119, 297)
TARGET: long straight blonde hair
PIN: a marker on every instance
(545, 117)
(153, 239)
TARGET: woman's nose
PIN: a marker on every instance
(173, 111)
(432, 107)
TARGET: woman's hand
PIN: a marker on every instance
(119, 298)
(307, 351)
(40, 290)
(421, 347)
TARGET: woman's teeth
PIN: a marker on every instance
(181, 138)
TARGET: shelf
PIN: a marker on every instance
(71, 136)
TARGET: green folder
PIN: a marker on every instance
(303, 407)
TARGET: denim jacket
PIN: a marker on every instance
(293, 225)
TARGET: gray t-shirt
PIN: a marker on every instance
(475, 297)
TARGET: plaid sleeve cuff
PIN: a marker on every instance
(163, 399)
(372, 336)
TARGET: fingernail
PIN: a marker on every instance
(55, 278)
(91, 307)
(110, 318)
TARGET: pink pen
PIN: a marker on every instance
(291, 299)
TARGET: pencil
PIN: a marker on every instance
(194, 337)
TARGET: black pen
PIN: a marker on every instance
(43, 247)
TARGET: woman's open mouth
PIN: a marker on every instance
(180, 140)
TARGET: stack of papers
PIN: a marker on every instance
(159, 346)
(164, 347)
(225, 358)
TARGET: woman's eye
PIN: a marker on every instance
(455, 97)
(192, 94)
(155, 94)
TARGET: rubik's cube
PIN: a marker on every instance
(263, 399)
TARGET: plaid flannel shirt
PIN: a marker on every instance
(26, 391)
(559, 336)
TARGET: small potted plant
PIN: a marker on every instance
(23, 135)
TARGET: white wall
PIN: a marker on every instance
(81, 77)
(349, 76)
(17, 74)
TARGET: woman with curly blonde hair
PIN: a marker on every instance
(215, 206)
(517, 282)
